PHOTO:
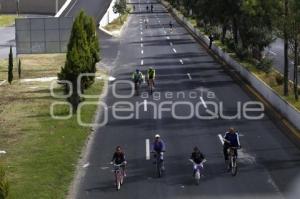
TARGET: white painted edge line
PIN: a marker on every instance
(145, 105)
(142, 45)
(2, 152)
(221, 139)
(142, 62)
(174, 50)
(181, 61)
(62, 9)
(272, 52)
(71, 8)
(141, 39)
(141, 33)
(189, 75)
(142, 52)
(3, 82)
(86, 165)
(147, 149)
(203, 102)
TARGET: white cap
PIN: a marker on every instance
(157, 136)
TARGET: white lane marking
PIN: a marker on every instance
(203, 102)
(142, 52)
(174, 50)
(71, 8)
(141, 39)
(63, 8)
(86, 165)
(141, 22)
(142, 45)
(141, 33)
(168, 37)
(2, 152)
(104, 168)
(142, 62)
(2, 82)
(272, 52)
(189, 75)
(165, 32)
(171, 44)
(145, 105)
(221, 139)
(246, 157)
(147, 149)
(292, 62)
(181, 61)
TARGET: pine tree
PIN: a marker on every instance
(10, 66)
(19, 69)
(78, 60)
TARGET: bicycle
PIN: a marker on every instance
(151, 85)
(159, 163)
(119, 175)
(137, 88)
(232, 162)
(197, 168)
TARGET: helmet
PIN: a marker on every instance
(157, 136)
(137, 70)
(118, 148)
(196, 149)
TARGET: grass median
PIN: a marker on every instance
(7, 20)
(42, 152)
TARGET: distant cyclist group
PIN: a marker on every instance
(158, 148)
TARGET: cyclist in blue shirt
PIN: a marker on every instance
(231, 139)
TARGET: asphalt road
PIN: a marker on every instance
(269, 163)
(276, 53)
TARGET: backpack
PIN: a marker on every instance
(151, 73)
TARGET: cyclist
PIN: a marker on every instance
(151, 7)
(147, 8)
(119, 158)
(171, 25)
(197, 158)
(159, 147)
(231, 139)
(151, 78)
(146, 23)
(137, 78)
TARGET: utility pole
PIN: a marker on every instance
(18, 7)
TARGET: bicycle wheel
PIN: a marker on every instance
(233, 166)
(159, 170)
(197, 177)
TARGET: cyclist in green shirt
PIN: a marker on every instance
(151, 78)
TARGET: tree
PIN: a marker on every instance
(79, 60)
(120, 7)
(19, 69)
(10, 66)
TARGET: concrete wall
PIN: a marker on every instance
(109, 16)
(287, 110)
(30, 6)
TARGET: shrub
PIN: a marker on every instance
(265, 65)
(279, 79)
(4, 185)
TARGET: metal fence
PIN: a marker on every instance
(43, 35)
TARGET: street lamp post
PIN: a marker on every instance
(18, 7)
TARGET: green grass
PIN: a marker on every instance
(7, 20)
(117, 24)
(41, 152)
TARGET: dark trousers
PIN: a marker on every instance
(225, 148)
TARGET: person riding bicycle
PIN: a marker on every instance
(119, 158)
(151, 7)
(158, 147)
(171, 25)
(137, 77)
(197, 158)
(146, 23)
(151, 76)
(231, 139)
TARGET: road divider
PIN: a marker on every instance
(147, 149)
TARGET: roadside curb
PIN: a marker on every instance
(288, 128)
